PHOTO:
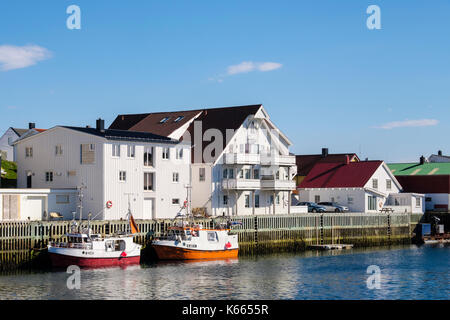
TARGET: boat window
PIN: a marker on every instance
(119, 245)
(188, 232)
(211, 236)
(109, 245)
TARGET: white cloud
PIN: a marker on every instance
(14, 57)
(409, 123)
(269, 66)
(248, 66)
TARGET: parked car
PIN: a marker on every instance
(333, 207)
(312, 206)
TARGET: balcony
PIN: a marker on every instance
(272, 184)
(241, 184)
(257, 184)
(241, 158)
(277, 160)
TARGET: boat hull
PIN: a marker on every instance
(174, 253)
(62, 261)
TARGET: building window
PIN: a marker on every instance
(176, 201)
(241, 174)
(350, 200)
(58, 150)
(428, 199)
(29, 152)
(256, 200)
(230, 173)
(247, 201)
(148, 157)
(122, 176)
(256, 174)
(225, 174)
(148, 181)
(316, 199)
(201, 174)
(225, 200)
(247, 174)
(130, 151)
(388, 184)
(87, 153)
(271, 199)
(277, 175)
(278, 199)
(165, 153)
(164, 120)
(179, 118)
(116, 150)
(418, 202)
(175, 177)
(180, 153)
(372, 204)
(375, 183)
(62, 198)
(10, 140)
(49, 176)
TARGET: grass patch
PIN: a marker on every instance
(9, 179)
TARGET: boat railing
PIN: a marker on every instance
(87, 246)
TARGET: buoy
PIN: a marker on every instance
(109, 204)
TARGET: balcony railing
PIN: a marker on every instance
(241, 158)
(278, 184)
(256, 184)
(241, 184)
(280, 160)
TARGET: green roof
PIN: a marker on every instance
(417, 169)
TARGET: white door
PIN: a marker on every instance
(34, 208)
(148, 209)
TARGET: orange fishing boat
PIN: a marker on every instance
(192, 242)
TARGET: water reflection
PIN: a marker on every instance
(406, 273)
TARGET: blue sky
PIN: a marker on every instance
(324, 77)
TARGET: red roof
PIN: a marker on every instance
(340, 175)
(305, 162)
(425, 184)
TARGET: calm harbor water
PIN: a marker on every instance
(407, 272)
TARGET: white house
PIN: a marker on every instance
(11, 135)
(116, 169)
(363, 186)
(241, 163)
(37, 204)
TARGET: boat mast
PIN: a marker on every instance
(80, 205)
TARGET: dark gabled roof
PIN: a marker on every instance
(211, 118)
(151, 122)
(124, 135)
(19, 132)
(307, 161)
(340, 175)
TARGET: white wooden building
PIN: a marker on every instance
(241, 164)
(37, 204)
(365, 186)
(116, 168)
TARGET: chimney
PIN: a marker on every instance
(422, 160)
(100, 125)
(440, 153)
(324, 152)
(31, 125)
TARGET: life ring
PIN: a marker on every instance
(109, 204)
